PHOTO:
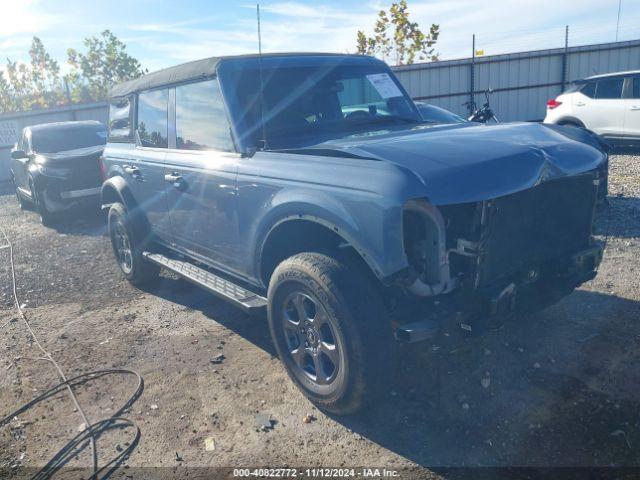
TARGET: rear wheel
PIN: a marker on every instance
(128, 245)
(330, 330)
(47, 217)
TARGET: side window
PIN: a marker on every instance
(609, 88)
(120, 119)
(635, 87)
(152, 118)
(201, 121)
(589, 89)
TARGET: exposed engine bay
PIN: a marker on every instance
(537, 240)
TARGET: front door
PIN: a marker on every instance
(200, 175)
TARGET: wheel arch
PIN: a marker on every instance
(115, 190)
(570, 120)
(297, 233)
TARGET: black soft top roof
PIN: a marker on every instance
(197, 69)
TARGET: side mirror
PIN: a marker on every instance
(18, 154)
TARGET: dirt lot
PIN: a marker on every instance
(560, 388)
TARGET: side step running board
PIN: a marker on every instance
(242, 297)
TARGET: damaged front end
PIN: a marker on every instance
(475, 264)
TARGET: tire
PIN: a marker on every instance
(47, 218)
(336, 305)
(128, 245)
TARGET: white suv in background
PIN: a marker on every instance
(608, 105)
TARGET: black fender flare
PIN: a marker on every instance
(115, 190)
(331, 227)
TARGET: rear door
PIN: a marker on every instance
(144, 168)
(200, 174)
(632, 108)
(600, 106)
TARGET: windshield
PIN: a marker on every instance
(311, 104)
(56, 140)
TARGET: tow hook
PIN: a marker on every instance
(504, 303)
(500, 305)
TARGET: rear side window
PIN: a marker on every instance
(635, 87)
(120, 120)
(609, 88)
(201, 120)
(152, 118)
(589, 89)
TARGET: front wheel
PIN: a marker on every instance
(23, 202)
(128, 246)
(330, 331)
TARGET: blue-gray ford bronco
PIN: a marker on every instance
(309, 185)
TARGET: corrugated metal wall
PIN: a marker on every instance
(522, 82)
(11, 125)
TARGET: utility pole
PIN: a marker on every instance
(472, 79)
(618, 21)
(565, 56)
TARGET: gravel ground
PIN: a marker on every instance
(559, 388)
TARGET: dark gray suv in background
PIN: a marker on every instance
(54, 166)
(309, 185)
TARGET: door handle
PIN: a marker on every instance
(133, 171)
(580, 104)
(173, 178)
(635, 107)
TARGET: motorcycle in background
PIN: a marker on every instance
(483, 114)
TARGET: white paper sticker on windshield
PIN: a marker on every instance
(385, 86)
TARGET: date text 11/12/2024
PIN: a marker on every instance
(316, 472)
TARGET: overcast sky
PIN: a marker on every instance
(161, 33)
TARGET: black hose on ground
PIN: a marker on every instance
(92, 431)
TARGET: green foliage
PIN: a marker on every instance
(105, 62)
(398, 39)
(45, 76)
(38, 84)
(24, 86)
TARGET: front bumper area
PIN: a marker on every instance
(478, 311)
